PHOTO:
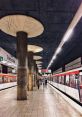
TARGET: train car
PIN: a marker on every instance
(7, 74)
(7, 78)
(69, 82)
(7, 81)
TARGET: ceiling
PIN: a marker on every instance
(55, 15)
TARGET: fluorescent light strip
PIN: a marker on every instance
(68, 33)
(58, 50)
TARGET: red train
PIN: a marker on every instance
(6, 78)
(69, 82)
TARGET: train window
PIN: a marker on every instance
(0, 68)
(80, 79)
(62, 79)
(52, 78)
(56, 79)
(73, 81)
(67, 80)
(0, 80)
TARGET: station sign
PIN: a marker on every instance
(46, 70)
(5, 56)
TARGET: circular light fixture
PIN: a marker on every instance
(39, 65)
(37, 57)
(38, 62)
(34, 48)
(15, 23)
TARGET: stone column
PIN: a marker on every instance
(30, 74)
(22, 66)
(35, 72)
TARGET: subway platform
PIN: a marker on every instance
(44, 102)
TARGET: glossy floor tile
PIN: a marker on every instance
(41, 103)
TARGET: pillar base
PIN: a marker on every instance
(22, 84)
(22, 96)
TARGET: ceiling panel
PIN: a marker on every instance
(56, 16)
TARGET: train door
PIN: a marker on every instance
(67, 82)
(80, 87)
(74, 81)
(0, 72)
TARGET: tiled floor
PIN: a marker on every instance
(40, 103)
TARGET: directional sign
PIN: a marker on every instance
(45, 70)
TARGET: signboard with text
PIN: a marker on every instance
(7, 57)
(46, 70)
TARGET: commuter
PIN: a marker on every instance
(38, 83)
(45, 82)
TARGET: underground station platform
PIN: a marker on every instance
(41, 58)
(45, 102)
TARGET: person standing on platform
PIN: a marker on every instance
(46, 82)
(38, 83)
